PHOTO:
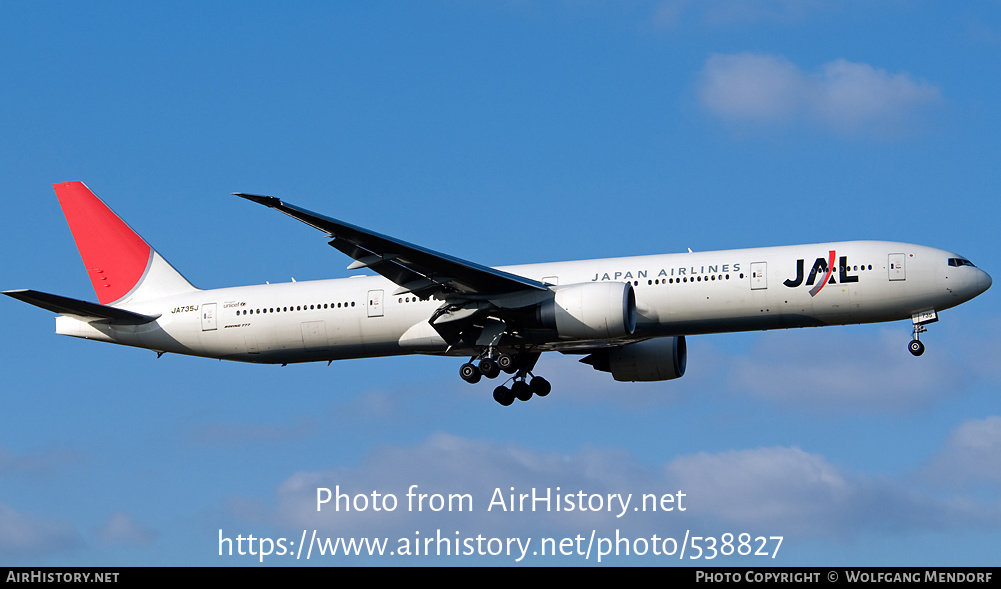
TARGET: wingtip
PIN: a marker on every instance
(268, 201)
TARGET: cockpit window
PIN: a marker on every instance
(960, 262)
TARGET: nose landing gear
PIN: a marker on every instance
(919, 320)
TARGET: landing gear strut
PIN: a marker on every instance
(919, 320)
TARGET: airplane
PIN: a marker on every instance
(626, 316)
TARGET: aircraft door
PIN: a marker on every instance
(375, 303)
(208, 317)
(897, 266)
(759, 280)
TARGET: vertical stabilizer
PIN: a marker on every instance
(121, 265)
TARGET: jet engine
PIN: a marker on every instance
(591, 310)
(662, 358)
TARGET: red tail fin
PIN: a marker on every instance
(117, 259)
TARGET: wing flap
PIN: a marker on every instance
(76, 308)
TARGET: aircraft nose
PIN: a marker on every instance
(983, 281)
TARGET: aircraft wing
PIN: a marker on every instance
(413, 268)
(78, 309)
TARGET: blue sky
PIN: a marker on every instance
(504, 133)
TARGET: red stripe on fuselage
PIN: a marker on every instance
(114, 255)
(830, 270)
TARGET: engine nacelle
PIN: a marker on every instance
(591, 310)
(661, 358)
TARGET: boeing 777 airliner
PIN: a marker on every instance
(626, 316)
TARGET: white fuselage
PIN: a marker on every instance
(676, 294)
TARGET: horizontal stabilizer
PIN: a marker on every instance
(79, 309)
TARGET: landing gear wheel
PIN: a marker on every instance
(503, 395)
(469, 373)
(507, 363)
(540, 386)
(916, 347)
(521, 390)
(489, 368)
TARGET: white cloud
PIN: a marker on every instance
(855, 94)
(25, 535)
(668, 13)
(121, 528)
(240, 434)
(449, 465)
(740, 12)
(752, 87)
(845, 97)
(842, 372)
(716, 13)
(42, 463)
(972, 455)
(774, 490)
(764, 485)
(781, 490)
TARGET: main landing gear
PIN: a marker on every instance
(519, 365)
(522, 389)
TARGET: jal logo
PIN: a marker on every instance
(824, 267)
